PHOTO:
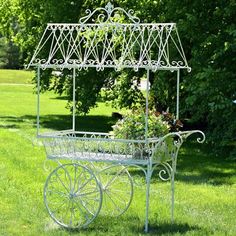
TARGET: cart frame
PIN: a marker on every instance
(102, 40)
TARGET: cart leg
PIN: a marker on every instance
(148, 179)
(172, 194)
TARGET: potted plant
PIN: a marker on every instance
(132, 127)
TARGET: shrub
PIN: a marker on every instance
(132, 126)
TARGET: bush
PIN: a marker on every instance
(132, 126)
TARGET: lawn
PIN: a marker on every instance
(205, 188)
(16, 76)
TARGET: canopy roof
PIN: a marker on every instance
(110, 37)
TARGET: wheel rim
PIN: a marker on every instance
(117, 187)
(72, 196)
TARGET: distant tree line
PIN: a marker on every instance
(10, 56)
(208, 33)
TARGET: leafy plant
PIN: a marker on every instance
(132, 126)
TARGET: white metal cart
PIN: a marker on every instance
(74, 192)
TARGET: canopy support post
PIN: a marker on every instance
(73, 119)
(146, 108)
(177, 99)
(38, 98)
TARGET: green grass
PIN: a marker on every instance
(205, 186)
(16, 76)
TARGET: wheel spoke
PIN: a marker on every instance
(62, 183)
(118, 198)
(81, 211)
(76, 180)
(84, 184)
(66, 211)
(107, 194)
(118, 189)
(67, 207)
(112, 180)
(75, 174)
(62, 204)
(71, 212)
(90, 206)
(57, 192)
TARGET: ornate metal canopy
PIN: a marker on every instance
(110, 37)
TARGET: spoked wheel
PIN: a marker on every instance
(117, 187)
(72, 195)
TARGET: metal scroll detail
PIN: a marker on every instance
(165, 172)
(169, 152)
(108, 12)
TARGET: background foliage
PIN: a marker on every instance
(208, 33)
(10, 57)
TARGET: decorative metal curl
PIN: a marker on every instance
(40, 61)
(177, 63)
(48, 165)
(165, 173)
(189, 69)
(105, 17)
(186, 134)
(163, 63)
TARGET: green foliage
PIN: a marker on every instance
(3, 60)
(132, 126)
(88, 87)
(10, 57)
(163, 91)
(123, 91)
(208, 34)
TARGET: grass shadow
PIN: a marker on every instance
(171, 229)
(197, 164)
(96, 123)
(14, 119)
(60, 98)
(215, 178)
(132, 225)
(12, 126)
(11, 122)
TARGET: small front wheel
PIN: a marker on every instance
(72, 196)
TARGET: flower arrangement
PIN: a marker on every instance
(132, 125)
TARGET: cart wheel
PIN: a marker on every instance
(117, 186)
(72, 195)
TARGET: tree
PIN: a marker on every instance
(10, 57)
(209, 90)
(3, 52)
(208, 33)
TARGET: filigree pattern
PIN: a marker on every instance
(107, 15)
(103, 147)
(109, 42)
